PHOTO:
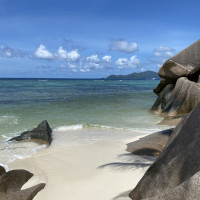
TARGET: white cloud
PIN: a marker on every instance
(107, 59)
(73, 55)
(161, 54)
(123, 63)
(163, 51)
(69, 56)
(123, 46)
(93, 59)
(62, 53)
(43, 53)
(85, 70)
(8, 52)
(134, 61)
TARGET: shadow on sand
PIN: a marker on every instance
(130, 162)
(122, 196)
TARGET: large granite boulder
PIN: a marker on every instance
(42, 134)
(172, 121)
(11, 183)
(162, 84)
(184, 64)
(183, 98)
(162, 99)
(151, 145)
(2, 170)
(177, 101)
(189, 189)
(177, 166)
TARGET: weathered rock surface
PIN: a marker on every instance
(178, 101)
(162, 84)
(151, 145)
(2, 170)
(11, 183)
(172, 121)
(177, 167)
(181, 71)
(184, 64)
(162, 99)
(183, 98)
(42, 134)
(185, 191)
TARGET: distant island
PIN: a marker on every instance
(135, 75)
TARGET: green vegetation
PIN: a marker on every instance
(135, 75)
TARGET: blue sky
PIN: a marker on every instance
(92, 38)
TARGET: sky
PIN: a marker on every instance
(92, 38)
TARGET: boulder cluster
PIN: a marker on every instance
(175, 175)
(179, 88)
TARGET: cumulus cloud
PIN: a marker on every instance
(123, 46)
(163, 51)
(85, 70)
(43, 53)
(123, 63)
(9, 52)
(107, 59)
(161, 54)
(69, 56)
(93, 59)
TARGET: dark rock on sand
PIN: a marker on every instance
(2, 170)
(42, 134)
(184, 64)
(11, 183)
(151, 145)
(176, 170)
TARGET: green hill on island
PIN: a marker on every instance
(135, 75)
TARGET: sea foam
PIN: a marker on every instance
(69, 128)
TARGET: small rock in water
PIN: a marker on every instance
(42, 134)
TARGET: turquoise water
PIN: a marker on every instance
(77, 105)
(24, 103)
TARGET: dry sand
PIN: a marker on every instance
(100, 171)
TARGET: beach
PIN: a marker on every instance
(102, 170)
(92, 121)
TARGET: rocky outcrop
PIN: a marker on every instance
(185, 191)
(179, 89)
(184, 64)
(162, 85)
(42, 134)
(175, 174)
(151, 145)
(177, 101)
(11, 183)
(162, 99)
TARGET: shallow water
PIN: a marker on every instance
(78, 110)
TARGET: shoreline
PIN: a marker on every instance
(83, 171)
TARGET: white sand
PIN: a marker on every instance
(74, 172)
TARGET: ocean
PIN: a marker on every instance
(78, 111)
